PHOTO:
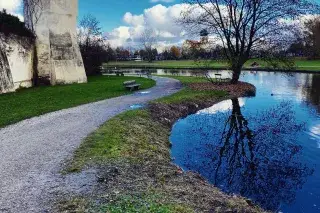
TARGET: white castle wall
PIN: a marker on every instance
(17, 64)
(57, 54)
(21, 65)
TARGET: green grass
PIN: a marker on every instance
(147, 203)
(301, 64)
(126, 136)
(27, 103)
(312, 65)
(186, 79)
(187, 95)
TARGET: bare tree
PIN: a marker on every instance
(89, 31)
(32, 12)
(246, 25)
(148, 40)
(93, 46)
(312, 37)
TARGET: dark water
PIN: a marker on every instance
(266, 148)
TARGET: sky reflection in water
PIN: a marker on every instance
(266, 148)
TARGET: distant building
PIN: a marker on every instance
(136, 58)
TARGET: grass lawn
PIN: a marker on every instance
(185, 80)
(27, 103)
(301, 64)
(187, 94)
(312, 65)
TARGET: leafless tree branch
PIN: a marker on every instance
(244, 25)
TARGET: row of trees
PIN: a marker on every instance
(307, 43)
(93, 48)
(171, 53)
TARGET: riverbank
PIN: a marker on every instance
(307, 66)
(131, 156)
(31, 102)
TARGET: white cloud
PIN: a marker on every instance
(315, 133)
(134, 20)
(12, 7)
(161, 19)
(223, 106)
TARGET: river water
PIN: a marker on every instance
(266, 148)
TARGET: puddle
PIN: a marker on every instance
(136, 106)
(144, 92)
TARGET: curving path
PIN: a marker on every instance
(32, 151)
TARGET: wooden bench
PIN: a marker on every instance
(131, 85)
(219, 78)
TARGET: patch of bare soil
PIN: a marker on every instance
(179, 187)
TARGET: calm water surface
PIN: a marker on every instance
(266, 148)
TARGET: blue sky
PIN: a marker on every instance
(123, 21)
(111, 12)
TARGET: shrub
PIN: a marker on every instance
(11, 25)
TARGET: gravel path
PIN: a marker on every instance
(32, 151)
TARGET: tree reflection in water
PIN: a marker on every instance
(257, 157)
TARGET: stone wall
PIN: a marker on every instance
(16, 64)
(55, 56)
(6, 83)
(58, 53)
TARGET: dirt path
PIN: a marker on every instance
(32, 151)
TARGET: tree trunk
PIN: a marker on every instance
(35, 77)
(236, 109)
(236, 71)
